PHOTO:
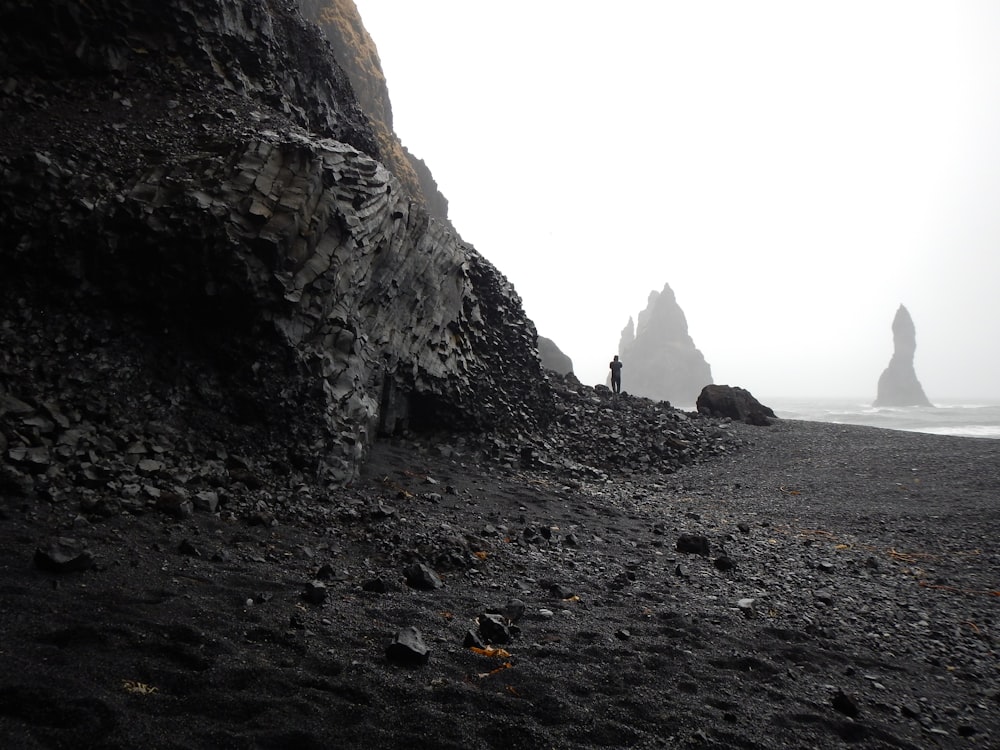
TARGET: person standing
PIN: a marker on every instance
(616, 375)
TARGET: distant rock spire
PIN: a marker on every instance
(627, 337)
(660, 358)
(898, 384)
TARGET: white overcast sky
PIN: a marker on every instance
(794, 170)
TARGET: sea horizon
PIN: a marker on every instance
(964, 417)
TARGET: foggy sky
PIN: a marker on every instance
(795, 171)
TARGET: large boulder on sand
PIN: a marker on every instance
(733, 402)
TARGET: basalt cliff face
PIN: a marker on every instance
(898, 385)
(660, 359)
(198, 177)
(357, 55)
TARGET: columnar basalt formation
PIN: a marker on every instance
(898, 384)
(660, 358)
(213, 174)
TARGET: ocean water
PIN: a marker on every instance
(973, 418)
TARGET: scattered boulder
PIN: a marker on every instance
(207, 501)
(845, 704)
(34, 459)
(494, 628)
(693, 544)
(559, 591)
(419, 576)
(473, 639)
(513, 610)
(315, 592)
(408, 648)
(175, 505)
(735, 403)
(64, 555)
(724, 563)
(376, 586)
(188, 548)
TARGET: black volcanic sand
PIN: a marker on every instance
(862, 609)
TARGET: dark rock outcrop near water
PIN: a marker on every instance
(735, 403)
(203, 169)
(660, 358)
(553, 358)
(898, 384)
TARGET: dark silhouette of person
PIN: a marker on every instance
(616, 375)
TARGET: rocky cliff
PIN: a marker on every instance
(898, 384)
(553, 358)
(659, 356)
(358, 56)
(198, 175)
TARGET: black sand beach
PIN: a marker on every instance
(849, 596)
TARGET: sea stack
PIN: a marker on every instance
(660, 358)
(898, 385)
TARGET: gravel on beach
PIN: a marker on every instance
(820, 585)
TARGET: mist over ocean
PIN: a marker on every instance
(971, 418)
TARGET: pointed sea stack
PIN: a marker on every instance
(661, 360)
(898, 385)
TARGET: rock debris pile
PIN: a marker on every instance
(108, 417)
(596, 434)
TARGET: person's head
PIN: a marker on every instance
(616, 358)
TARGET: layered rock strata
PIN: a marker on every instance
(898, 385)
(213, 175)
